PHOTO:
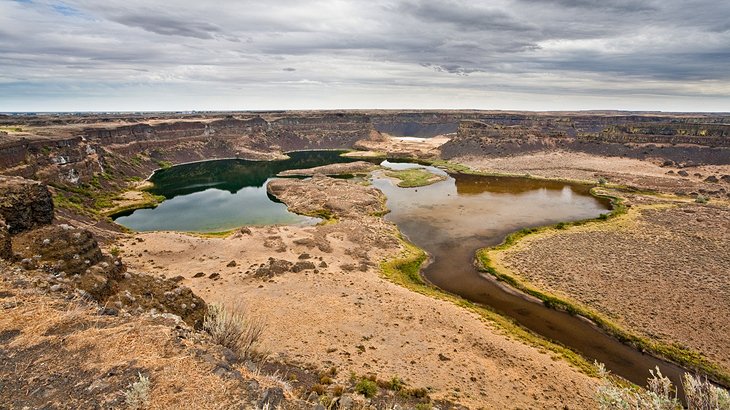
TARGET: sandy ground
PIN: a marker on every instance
(342, 313)
(632, 172)
(662, 271)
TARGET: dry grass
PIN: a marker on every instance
(235, 328)
(660, 394)
(84, 347)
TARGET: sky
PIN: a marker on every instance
(141, 55)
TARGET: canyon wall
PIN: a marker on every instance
(74, 151)
(685, 140)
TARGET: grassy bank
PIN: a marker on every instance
(683, 356)
(413, 178)
(405, 271)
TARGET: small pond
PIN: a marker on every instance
(220, 195)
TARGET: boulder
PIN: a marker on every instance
(24, 204)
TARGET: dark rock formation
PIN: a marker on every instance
(24, 204)
(75, 263)
(273, 268)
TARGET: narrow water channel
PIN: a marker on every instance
(454, 218)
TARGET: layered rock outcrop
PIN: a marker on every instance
(24, 204)
(64, 258)
(686, 140)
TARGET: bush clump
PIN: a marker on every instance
(234, 328)
(137, 396)
(367, 388)
(660, 394)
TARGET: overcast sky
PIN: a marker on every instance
(671, 55)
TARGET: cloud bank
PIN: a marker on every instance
(285, 54)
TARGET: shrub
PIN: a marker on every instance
(602, 181)
(319, 389)
(234, 329)
(660, 394)
(701, 394)
(137, 396)
(367, 388)
(418, 393)
(701, 199)
(337, 390)
(395, 383)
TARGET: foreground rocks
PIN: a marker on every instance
(24, 204)
(68, 260)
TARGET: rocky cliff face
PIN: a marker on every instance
(62, 258)
(682, 140)
(419, 124)
(24, 204)
(80, 152)
(76, 150)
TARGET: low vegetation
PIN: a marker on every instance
(234, 328)
(366, 387)
(137, 396)
(416, 177)
(660, 394)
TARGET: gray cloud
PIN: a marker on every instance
(362, 54)
(169, 26)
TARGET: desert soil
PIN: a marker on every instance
(340, 312)
(661, 271)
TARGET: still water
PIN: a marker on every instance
(214, 196)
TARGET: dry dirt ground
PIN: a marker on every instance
(59, 354)
(662, 270)
(626, 171)
(338, 311)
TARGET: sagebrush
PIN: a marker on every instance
(137, 396)
(661, 394)
(235, 328)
